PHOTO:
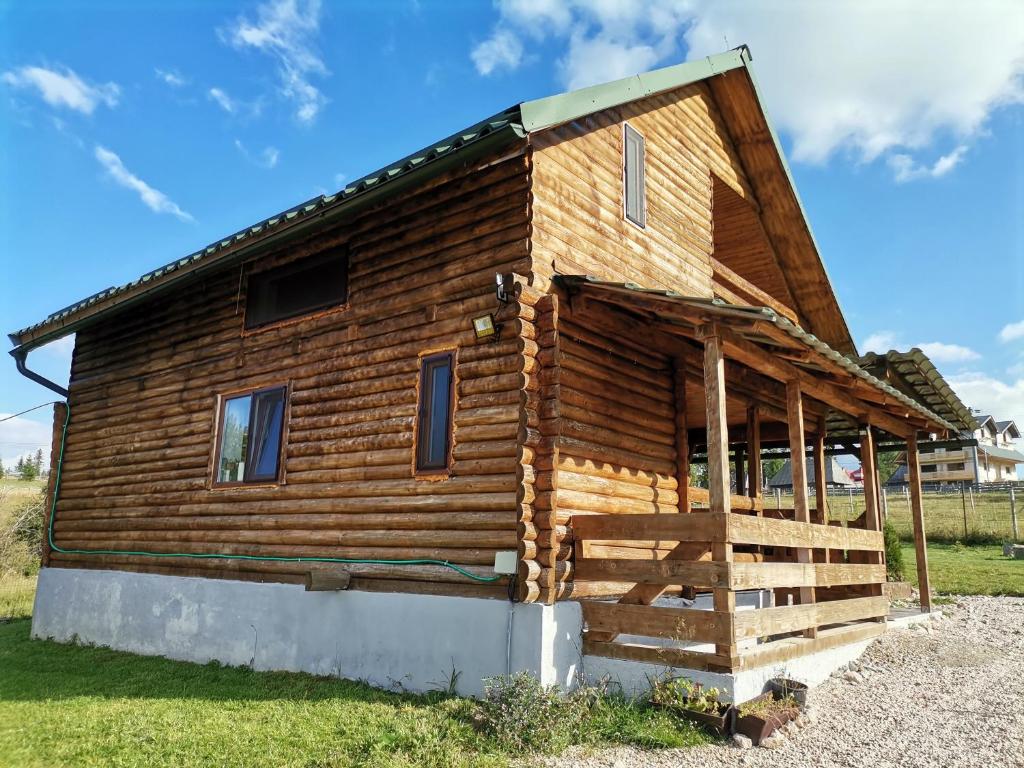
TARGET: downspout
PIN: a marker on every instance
(20, 354)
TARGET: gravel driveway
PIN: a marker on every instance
(950, 693)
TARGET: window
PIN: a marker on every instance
(633, 176)
(929, 467)
(434, 420)
(959, 467)
(298, 288)
(249, 438)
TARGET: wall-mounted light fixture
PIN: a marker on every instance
(485, 328)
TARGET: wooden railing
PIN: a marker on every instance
(740, 639)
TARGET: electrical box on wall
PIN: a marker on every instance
(506, 562)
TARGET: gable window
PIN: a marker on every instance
(249, 437)
(434, 418)
(304, 286)
(633, 176)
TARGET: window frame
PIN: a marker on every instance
(291, 267)
(628, 129)
(221, 411)
(440, 471)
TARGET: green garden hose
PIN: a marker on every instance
(216, 556)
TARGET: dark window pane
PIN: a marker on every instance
(296, 289)
(434, 429)
(634, 176)
(265, 441)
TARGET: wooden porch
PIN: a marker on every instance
(745, 380)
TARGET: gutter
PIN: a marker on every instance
(20, 354)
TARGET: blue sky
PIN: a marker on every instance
(134, 133)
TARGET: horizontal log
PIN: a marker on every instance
(711, 574)
(781, 651)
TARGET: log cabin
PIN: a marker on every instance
(444, 420)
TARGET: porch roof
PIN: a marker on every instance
(760, 325)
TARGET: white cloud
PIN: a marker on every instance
(266, 159)
(339, 179)
(1002, 399)
(906, 168)
(503, 50)
(171, 77)
(64, 88)
(938, 351)
(1012, 331)
(908, 79)
(21, 436)
(948, 353)
(881, 342)
(286, 30)
(154, 199)
(224, 101)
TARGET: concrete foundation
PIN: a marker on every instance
(390, 640)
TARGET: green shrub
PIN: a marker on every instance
(894, 570)
(21, 537)
(521, 715)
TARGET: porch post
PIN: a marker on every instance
(870, 474)
(755, 485)
(820, 480)
(682, 437)
(718, 463)
(917, 510)
(798, 462)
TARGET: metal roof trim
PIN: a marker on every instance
(565, 107)
(716, 306)
(1001, 453)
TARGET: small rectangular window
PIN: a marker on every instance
(634, 177)
(304, 286)
(434, 420)
(249, 438)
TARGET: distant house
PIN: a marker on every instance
(993, 460)
(835, 476)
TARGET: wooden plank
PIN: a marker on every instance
(683, 624)
(744, 529)
(870, 472)
(660, 655)
(917, 510)
(793, 618)
(780, 651)
(772, 575)
(742, 503)
(327, 580)
(706, 574)
(682, 436)
(798, 463)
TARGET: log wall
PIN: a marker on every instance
(578, 221)
(144, 388)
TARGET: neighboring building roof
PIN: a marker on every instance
(983, 420)
(512, 124)
(1003, 426)
(914, 374)
(1005, 454)
(720, 309)
(834, 474)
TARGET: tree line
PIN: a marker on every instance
(27, 467)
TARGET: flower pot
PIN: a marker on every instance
(758, 728)
(720, 723)
(781, 687)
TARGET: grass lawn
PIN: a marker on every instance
(71, 705)
(962, 570)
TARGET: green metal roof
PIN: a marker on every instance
(1006, 454)
(720, 308)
